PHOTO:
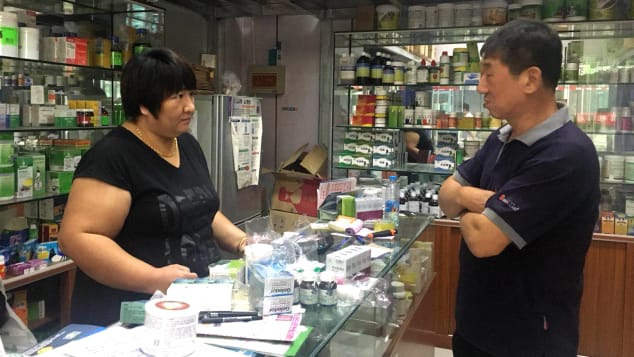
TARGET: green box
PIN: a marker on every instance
(59, 181)
(64, 158)
(24, 176)
(39, 174)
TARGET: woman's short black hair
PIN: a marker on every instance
(152, 76)
(525, 43)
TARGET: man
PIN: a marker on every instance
(527, 203)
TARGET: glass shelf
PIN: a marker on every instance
(407, 168)
(372, 128)
(436, 36)
(56, 128)
(51, 66)
(79, 7)
(473, 86)
(328, 321)
(31, 199)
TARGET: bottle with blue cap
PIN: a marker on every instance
(392, 201)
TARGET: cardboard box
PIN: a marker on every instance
(286, 221)
(297, 181)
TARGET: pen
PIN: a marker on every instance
(227, 313)
(217, 320)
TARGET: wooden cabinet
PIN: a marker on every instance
(607, 308)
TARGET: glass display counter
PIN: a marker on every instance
(332, 323)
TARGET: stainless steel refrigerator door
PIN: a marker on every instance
(213, 131)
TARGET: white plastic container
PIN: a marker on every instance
(387, 17)
(29, 43)
(463, 14)
(494, 12)
(9, 32)
(431, 16)
(446, 15)
(416, 17)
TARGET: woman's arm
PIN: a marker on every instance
(94, 215)
(230, 237)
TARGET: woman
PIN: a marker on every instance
(142, 210)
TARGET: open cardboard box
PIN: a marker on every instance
(297, 181)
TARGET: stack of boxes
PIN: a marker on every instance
(364, 111)
(365, 149)
(446, 146)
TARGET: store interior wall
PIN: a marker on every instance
(290, 119)
(186, 31)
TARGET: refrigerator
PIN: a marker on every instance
(211, 125)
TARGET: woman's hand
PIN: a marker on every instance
(167, 274)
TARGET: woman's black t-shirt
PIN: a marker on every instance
(169, 221)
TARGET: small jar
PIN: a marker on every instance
(571, 73)
(308, 295)
(452, 122)
(327, 289)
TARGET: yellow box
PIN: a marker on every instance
(620, 223)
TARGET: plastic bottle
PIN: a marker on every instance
(141, 43)
(403, 199)
(105, 116)
(445, 68)
(422, 73)
(33, 234)
(412, 204)
(3, 269)
(391, 201)
(388, 73)
(424, 206)
(362, 70)
(327, 289)
(434, 209)
(434, 72)
(308, 295)
(116, 54)
(376, 69)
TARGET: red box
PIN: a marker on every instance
(77, 50)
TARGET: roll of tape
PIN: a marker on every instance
(171, 327)
(354, 227)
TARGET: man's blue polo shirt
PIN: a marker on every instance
(525, 301)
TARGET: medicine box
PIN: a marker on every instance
(349, 260)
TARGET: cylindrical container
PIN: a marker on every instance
(6, 148)
(629, 169)
(471, 147)
(29, 43)
(387, 17)
(308, 293)
(408, 117)
(428, 118)
(602, 10)
(327, 289)
(445, 15)
(553, 11)
(463, 14)
(399, 72)
(416, 17)
(171, 327)
(576, 10)
(460, 56)
(514, 11)
(613, 167)
(494, 12)
(531, 9)
(624, 122)
(7, 182)
(431, 16)
(8, 34)
(452, 120)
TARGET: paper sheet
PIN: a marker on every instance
(246, 138)
(117, 341)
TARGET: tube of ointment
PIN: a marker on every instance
(354, 227)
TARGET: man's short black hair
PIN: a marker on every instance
(521, 44)
(150, 77)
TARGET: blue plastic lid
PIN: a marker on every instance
(393, 177)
